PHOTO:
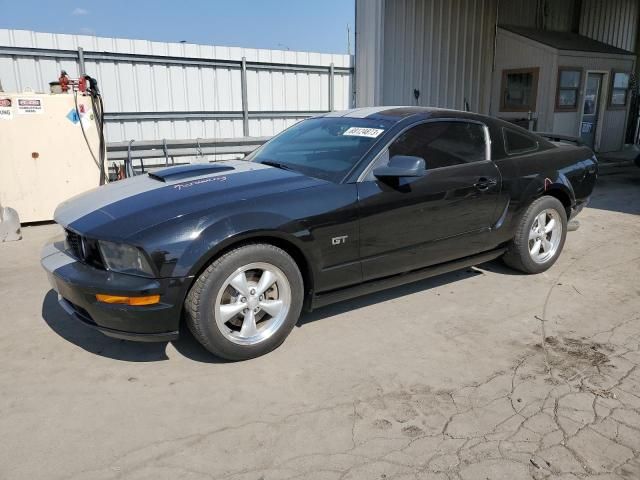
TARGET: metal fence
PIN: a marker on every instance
(132, 158)
(156, 90)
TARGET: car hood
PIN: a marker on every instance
(124, 208)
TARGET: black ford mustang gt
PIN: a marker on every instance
(336, 206)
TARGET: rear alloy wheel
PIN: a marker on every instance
(539, 237)
(246, 302)
(545, 235)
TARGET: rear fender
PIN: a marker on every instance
(555, 185)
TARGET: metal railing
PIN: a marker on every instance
(160, 153)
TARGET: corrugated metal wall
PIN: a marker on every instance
(612, 21)
(443, 48)
(557, 15)
(609, 21)
(183, 83)
(369, 44)
(522, 13)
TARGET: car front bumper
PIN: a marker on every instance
(77, 285)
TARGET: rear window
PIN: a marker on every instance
(516, 142)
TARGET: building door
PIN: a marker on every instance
(591, 111)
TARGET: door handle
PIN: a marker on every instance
(484, 183)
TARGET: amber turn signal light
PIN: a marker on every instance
(133, 301)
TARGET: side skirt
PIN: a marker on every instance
(334, 296)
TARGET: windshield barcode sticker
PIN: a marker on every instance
(363, 132)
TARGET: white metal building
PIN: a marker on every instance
(159, 90)
(566, 65)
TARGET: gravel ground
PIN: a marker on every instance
(478, 374)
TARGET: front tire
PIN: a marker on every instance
(246, 302)
(539, 238)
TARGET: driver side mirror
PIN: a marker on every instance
(401, 166)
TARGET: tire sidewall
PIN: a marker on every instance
(214, 282)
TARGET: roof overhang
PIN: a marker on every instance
(566, 43)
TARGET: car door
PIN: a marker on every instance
(409, 223)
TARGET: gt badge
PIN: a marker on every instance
(339, 240)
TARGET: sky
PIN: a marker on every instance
(309, 25)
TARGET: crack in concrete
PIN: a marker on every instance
(476, 421)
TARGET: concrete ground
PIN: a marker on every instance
(448, 378)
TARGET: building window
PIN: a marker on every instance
(619, 90)
(519, 90)
(569, 80)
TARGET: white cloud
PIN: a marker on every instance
(80, 11)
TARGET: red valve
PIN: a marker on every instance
(64, 81)
(82, 84)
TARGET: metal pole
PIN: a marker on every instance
(166, 152)
(128, 163)
(81, 61)
(331, 75)
(245, 103)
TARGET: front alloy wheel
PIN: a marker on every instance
(253, 303)
(246, 302)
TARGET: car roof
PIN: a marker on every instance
(398, 113)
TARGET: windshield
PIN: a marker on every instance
(325, 147)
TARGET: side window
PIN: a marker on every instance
(516, 142)
(442, 144)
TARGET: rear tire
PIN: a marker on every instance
(539, 237)
(246, 302)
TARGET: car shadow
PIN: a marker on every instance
(499, 267)
(96, 343)
(389, 294)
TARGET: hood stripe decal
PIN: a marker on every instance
(97, 199)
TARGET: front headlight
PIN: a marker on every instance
(125, 259)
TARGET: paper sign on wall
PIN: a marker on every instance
(6, 112)
(586, 127)
(30, 105)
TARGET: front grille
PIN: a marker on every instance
(74, 244)
(84, 249)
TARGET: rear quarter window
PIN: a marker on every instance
(518, 143)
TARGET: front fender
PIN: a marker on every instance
(230, 230)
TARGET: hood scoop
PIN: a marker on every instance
(183, 172)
